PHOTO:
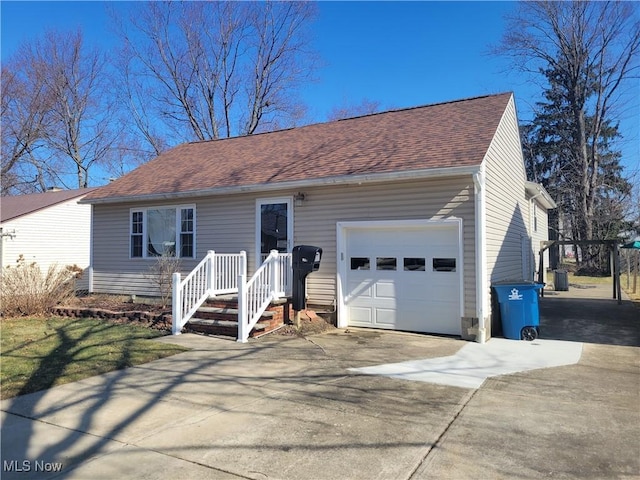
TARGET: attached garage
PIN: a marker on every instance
(402, 275)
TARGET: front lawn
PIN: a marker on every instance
(39, 353)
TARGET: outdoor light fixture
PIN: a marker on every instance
(299, 198)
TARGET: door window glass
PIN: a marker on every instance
(273, 228)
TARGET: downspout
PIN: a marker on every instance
(90, 286)
(481, 254)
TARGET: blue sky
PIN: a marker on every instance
(399, 54)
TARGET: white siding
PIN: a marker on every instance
(507, 209)
(59, 234)
(227, 224)
(539, 234)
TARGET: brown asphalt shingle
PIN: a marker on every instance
(435, 136)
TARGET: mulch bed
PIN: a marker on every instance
(121, 309)
(118, 310)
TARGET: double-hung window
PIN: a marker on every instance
(157, 231)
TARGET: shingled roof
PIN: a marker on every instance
(452, 134)
(18, 205)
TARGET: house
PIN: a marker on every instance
(47, 228)
(418, 211)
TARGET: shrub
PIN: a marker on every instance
(26, 290)
(161, 275)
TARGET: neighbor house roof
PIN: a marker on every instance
(16, 206)
(440, 136)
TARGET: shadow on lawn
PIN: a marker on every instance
(18, 438)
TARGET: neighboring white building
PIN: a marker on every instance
(46, 228)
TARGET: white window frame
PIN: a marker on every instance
(145, 248)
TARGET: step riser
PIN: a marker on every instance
(267, 321)
(278, 316)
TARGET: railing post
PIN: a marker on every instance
(275, 274)
(211, 272)
(242, 269)
(243, 321)
(176, 305)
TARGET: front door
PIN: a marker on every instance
(274, 229)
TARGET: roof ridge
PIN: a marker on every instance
(393, 110)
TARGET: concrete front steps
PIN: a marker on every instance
(219, 316)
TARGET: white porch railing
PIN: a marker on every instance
(286, 275)
(216, 274)
(222, 273)
(255, 295)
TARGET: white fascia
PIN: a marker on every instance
(297, 184)
(482, 288)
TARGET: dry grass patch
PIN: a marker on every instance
(39, 353)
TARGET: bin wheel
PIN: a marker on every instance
(529, 333)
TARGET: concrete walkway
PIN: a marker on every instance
(470, 366)
(290, 408)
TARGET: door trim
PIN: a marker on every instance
(341, 252)
(267, 201)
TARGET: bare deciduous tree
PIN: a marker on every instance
(348, 110)
(57, 112)
(208, 70)
(24, 108)
(589, 49)
(80, 128)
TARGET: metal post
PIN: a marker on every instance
(636, 264)
(617, 280)
(628, 255)
(176, 305)
(612, 263)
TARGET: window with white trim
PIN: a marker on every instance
(156, 231)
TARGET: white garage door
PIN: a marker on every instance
(403, 276)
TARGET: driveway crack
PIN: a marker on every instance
(428, 454)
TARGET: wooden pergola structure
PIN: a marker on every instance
(615, 260)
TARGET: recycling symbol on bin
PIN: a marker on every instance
(515, 294)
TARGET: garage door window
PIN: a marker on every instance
(360, 263)
(386, 263)
(444, 264)
(414, 264)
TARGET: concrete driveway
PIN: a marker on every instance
(290, 408)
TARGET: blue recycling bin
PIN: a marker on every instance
(519, 310)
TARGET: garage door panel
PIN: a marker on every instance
(392, 282)
(385, 289)
(360, 316)
(360, 288)
(385, 317)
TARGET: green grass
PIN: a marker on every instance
(39, 353)
(582, 279)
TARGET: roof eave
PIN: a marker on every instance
(292, 185)
(541, 195)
